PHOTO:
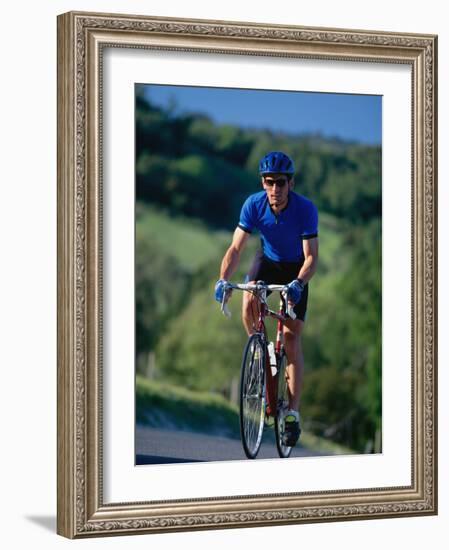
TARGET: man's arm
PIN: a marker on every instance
(310, 249)
(232, 257)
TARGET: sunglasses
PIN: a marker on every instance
(279, 182)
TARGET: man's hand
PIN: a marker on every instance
(294, 291)
(220, 287)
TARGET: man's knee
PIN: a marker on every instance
(293, 328)
(249, 304)
(292, 333)
(250, 312)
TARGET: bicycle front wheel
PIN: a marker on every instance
(252, 395)
(282, 408)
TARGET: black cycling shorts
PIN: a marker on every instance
(282, 273)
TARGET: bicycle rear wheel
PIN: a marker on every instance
(282, 408)
(252, 395)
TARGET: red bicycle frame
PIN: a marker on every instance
(272, 385)
(271, 379)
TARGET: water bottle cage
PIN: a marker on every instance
(272, 354)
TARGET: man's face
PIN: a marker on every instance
(277, 187)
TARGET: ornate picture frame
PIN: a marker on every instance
(82, 39)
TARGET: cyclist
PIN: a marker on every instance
(288, 224)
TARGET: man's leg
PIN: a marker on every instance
(295, 368)
(295, 375)
(250, 312)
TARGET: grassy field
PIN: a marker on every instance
(188, 240)
(162, 405)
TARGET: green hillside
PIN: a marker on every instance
(188, 240)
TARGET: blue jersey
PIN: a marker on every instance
(281, 234)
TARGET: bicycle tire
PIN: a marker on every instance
(252, 394)
(281, 408)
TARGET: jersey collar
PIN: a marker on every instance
(285, 207)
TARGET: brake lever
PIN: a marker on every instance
(290, 309)
(224, 305)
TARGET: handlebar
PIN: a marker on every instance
(260, 288)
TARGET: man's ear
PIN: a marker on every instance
(291, 182)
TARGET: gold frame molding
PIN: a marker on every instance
(81, 39)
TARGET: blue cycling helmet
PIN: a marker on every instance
(276, 162)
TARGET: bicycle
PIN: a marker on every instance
(264, 378)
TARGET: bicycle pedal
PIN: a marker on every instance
(269, 418)
(269, 421)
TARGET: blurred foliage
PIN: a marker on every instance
(342, 345)
(160, 286)
(192, 178)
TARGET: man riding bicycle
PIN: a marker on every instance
(288, 224)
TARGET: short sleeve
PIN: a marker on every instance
(310, 230)
(247, 222)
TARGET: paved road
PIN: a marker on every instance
(156, 446)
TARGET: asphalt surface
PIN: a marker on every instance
(156, 446)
